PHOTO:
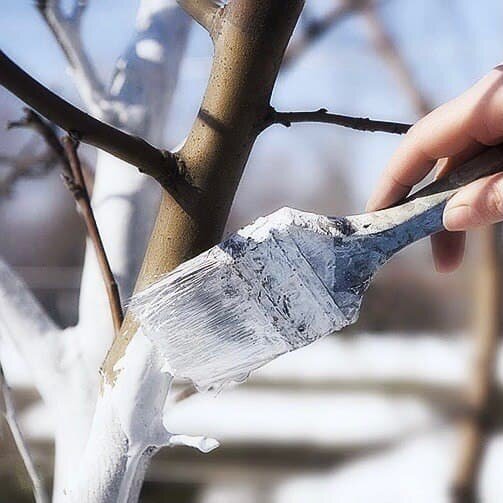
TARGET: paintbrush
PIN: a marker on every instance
(283, 282)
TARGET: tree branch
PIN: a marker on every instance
(9, 412)
(316, 28)
(25, 167)
(124, 202)
(204, 12)
(46, 131)
(75, 182)
(389, 52)
(383, 41)
(223, 134)
(160, 164)
(359, 123)
(29, 329)
(67, 32)
(77, 186)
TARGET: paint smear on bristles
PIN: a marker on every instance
(266, 290)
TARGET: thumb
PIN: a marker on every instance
(479, 203)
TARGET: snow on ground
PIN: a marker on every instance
(318, 394)
(325, 396)
(424, 357)
(310, 418)
(417, 471)
(320, 406)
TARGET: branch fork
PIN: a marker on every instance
(205, 12)
(150, 160)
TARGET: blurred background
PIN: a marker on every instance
(378, 412)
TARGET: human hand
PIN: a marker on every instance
(445, 138)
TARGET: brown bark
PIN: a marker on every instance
(322, 116)
(250, 41)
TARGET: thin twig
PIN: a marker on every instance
(321, 115)
(315, 29)
(480, 390)
(160, 164)
(9, 412)
(28, 165)
(33, 121)
(25, 167)
(21, 168)
(67, 33)
(77, 186)
(383, 42)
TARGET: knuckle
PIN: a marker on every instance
(399, 182)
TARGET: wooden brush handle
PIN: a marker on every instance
(489, 162)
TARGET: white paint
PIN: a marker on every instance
(282, 219)
(148, 9)
(27, 328)
(151, 50)
(125, 205)
(127, 429)
(116, 87)
(365, 376)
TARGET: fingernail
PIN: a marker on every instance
(458, 218)
(446, 266)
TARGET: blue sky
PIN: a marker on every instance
(447, 43)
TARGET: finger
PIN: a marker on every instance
(479, 203)
(437, 135)
(458, 126)
(448, 249)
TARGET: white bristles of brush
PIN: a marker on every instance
(239, 305)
